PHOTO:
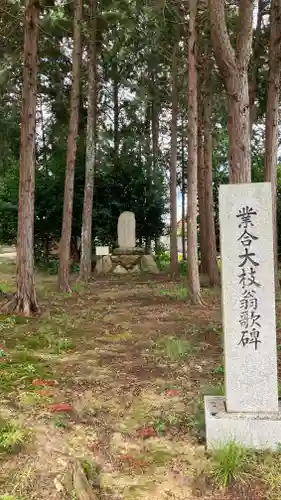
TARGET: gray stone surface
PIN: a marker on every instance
(103, 265)
(126, 230)
(248, 299)
(125, 260)
(120, 270)
(148, 264)
(253, 430)
(128, 251)
(135, 270)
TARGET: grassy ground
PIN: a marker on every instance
(114, 375)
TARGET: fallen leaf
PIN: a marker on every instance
(45, 393)
(135, 462)
(172, 392)
(94, 446)
(60, 407)
(146, 432)
(39, 382)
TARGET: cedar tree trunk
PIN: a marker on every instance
(212, 263)
(192, 243)
(201, 195)
(233, 65)
(71, 152)
(25, 301)
(255, 64)
(183, 189)
(173, 170)
(86, 233)
(272, 114)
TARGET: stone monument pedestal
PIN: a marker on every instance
(253, 430)
(127, 261)
(133, 261)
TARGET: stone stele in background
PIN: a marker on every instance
(127, 258)
(249, 412)
(126, 230)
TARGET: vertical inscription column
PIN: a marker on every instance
(248, 298)
(249, 302)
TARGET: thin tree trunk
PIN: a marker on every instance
(192, 244)
(63, 279)
(233, 65)
(116, 113)
(43, 135)
(201, 195)
(183, 189)
(272, 115)
(147, 141)
(86, 233)
(258, 50)
(154, 133)
(155, 128)
(173, 169)
(25, 301)
(212, 263)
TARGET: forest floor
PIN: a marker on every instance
(114, 375)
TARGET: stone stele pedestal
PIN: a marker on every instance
(127, 258)
(249, 413)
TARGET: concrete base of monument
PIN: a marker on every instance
(128, 251)
(126, 263)
(258, 431)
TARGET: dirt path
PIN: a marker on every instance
(8, 254)
(132, 361)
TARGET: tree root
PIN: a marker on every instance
(22, 305)
(197, 300)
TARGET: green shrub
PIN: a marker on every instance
(12, 437)
(230, 463)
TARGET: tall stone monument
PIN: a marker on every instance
(126, 230)
(127, 258)
(249, 413)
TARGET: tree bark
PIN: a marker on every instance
(116, 113)
(201, 195)
(233, 65)
(272, 115)
(258, 50)
(25, 301)
(63, 279)
(154, 124)
(148, 158)
(212, 263)
(173, 168)
(192, 244)
(239, 152)
(44, 144)
(86, 233)
(183, 190)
